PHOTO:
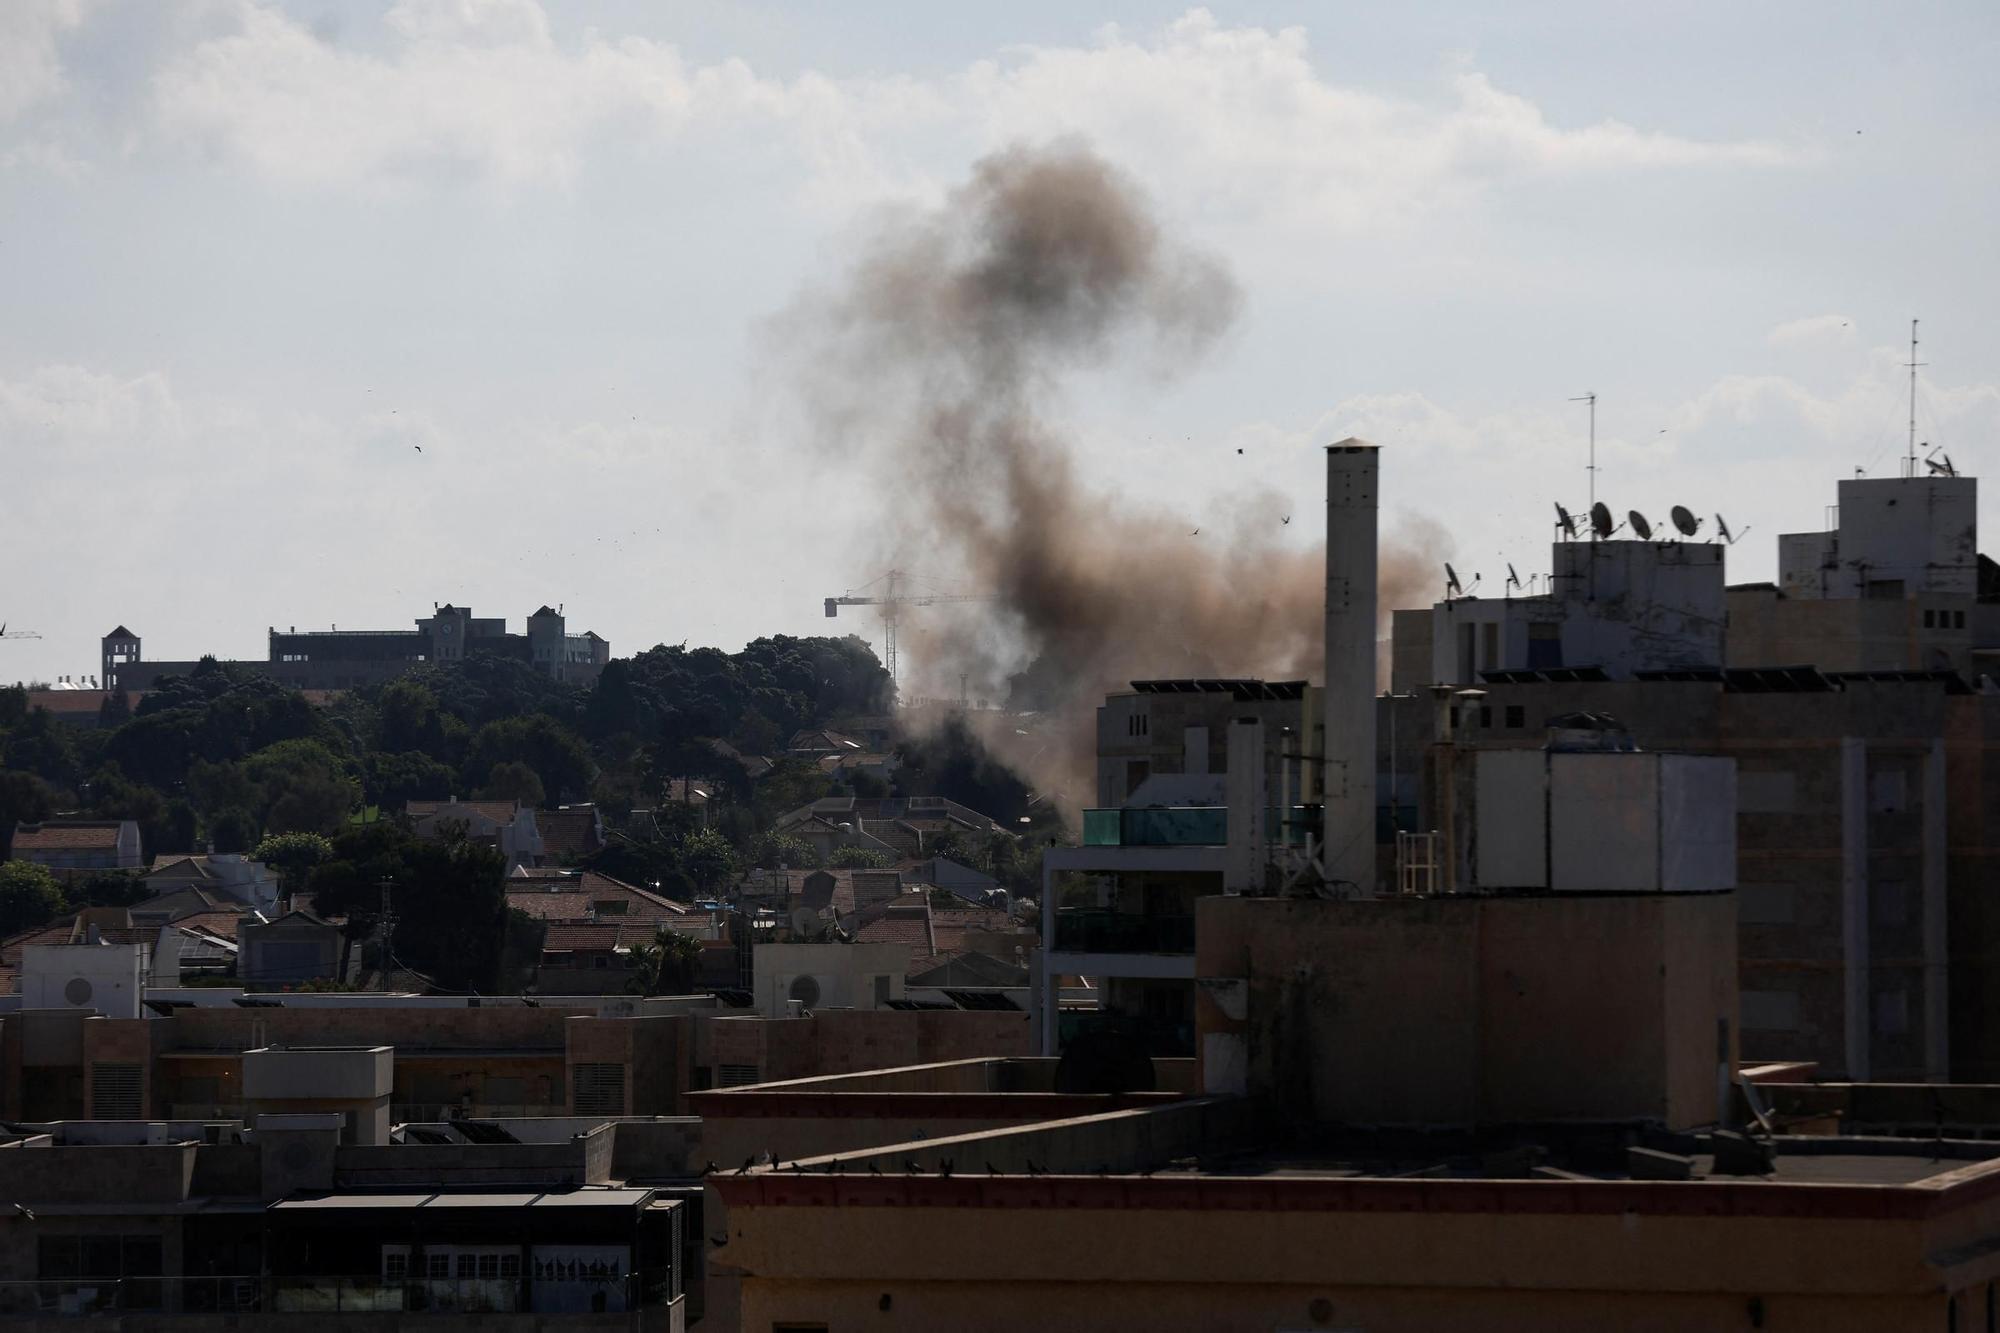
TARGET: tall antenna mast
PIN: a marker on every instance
(1591, 398)
(1910, 463)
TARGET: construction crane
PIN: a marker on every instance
(892, 598)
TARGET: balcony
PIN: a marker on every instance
(1097, 930)
(1187, 826)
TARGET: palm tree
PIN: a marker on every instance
(667, 965)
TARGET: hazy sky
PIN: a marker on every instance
(253, 255)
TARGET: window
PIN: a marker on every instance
(597, 1089)
(468, 1266)
(437, 1267)
(1930, 620)
(1770, 1010)
(1890, 899)
(1766, 793)
(1764, 904)
(1892, 1013)
(1485, 715)
(115, 1092)
(1958, 620)
(1490, 649)
(1517, 717)
(510, 1265)
(489, 1265)
(396, 1266)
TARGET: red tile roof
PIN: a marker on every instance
(54, 837)
(215, 923)
(571, 831)
(571, 898)
(950, 925)
(899, 923)
(500, 812)
(586, 939)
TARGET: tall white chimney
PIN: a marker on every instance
(1349, 706)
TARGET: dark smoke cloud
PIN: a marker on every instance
(935, 367)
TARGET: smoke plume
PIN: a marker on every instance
(937, 366)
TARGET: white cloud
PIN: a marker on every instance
(1239, 114)
(1811, 330)
(30, 67)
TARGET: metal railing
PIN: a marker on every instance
(251, 1294)
(1417, 862)
(1096, 930)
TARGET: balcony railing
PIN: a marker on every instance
(252, 1294)
(1188, 826)
(1096, 930)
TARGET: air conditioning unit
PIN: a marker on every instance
(808, 989)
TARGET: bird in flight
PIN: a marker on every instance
(418, 447)
(1286, 520)
(1195, 533)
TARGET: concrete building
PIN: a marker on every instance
(1851, 695)
(217, 874)
(337, 659)
(293, 1224)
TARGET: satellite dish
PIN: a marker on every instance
(1452, 587)
(1640, 525)
(1944, 469)
(1722, 527)
(1686, 522)
(1565, 522)
(1600, 519)
(1513, 579)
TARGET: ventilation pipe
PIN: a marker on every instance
(1351, 491)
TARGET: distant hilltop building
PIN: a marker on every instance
(335, 659)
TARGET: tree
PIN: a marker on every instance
(13, 705)
(303, 787)
(391, 781)
(407, 719)
(451, 908)
(24, 799)
(666, 966)
(512, 780)
(707, 859)
(294, 856)
(29, 897)
(947, 844)
(556, 754)
(771, 850)
(41, 745)
(860, 858)
(233, 830)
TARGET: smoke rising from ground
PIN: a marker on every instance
(937, 366)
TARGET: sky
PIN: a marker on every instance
(318, 313)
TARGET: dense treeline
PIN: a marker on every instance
(225, 757)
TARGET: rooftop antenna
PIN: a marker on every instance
(1591, 398)
(1910, 464)
(1565, 522)
(1685, 522)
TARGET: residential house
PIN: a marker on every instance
(297, 947)
(507, 826)
(570, 834)
(218, 873)
(79, 844)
